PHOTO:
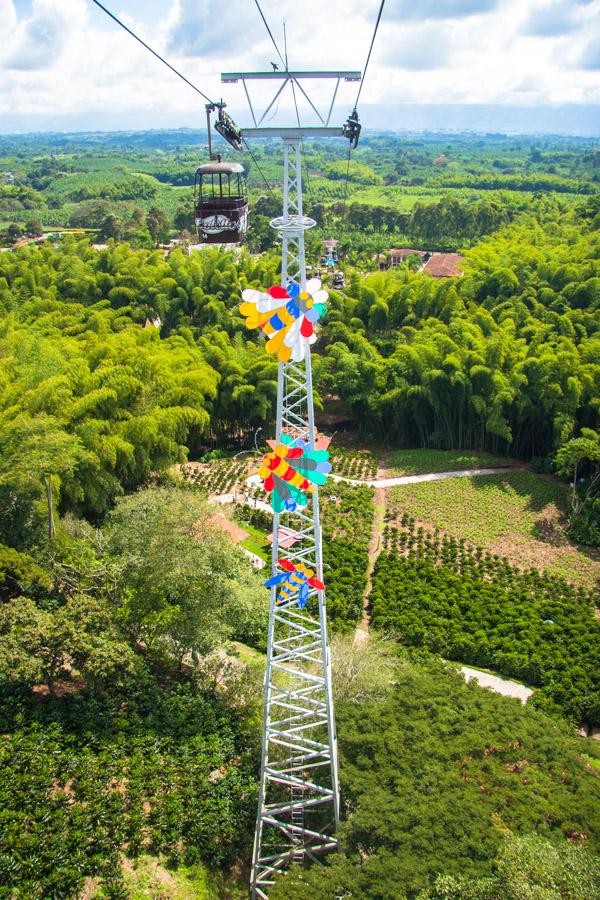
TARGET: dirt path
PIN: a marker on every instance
(497, 684)
(386, 480)
(361, 635)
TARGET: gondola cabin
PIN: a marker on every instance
(221, 203)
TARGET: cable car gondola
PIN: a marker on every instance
(221, 203)
(220, 198)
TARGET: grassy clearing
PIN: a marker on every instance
(419, 462)
(518, 515)
(478, 668)
(256, 542)
(148, 878)
(592, 761)
(250, 657)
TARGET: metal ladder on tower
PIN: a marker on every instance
(297, 820)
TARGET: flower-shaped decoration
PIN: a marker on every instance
(294, 580)
(290, 471)
(286, 316)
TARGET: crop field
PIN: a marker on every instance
(420, 462)
(359, 464)
(437, 594)
(404, 198)
(220, 476)
(347, 513)
(526, 525)
(346, 516)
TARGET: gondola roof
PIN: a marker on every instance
(220, 168)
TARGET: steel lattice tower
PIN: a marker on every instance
(298, 809)
(298, 804)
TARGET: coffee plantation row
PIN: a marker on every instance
(486, 613)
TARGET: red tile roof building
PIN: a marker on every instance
(444, 265)
(438, 265)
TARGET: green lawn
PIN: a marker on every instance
(592, 761)
(517, 514)
(419, 462)
(247, 655)
(256, 542)
(149, 878)
(403, 198)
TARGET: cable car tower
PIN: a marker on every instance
(299, 804)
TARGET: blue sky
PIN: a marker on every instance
(437, 63)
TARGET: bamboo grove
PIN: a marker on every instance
(114, 363)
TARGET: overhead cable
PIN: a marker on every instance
(153, 52)
(256, 163)
(362, 80)
(273, 41)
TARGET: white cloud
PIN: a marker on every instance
(419, 48)
(409, 10)
(590, 56)
(197, 29)
(553, 19)
(67, 58)
(8, 16)
(36, 41)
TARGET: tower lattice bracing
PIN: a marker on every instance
(298, 809)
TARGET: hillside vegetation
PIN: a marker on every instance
(435, 775)
(132, 629)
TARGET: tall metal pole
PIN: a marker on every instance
(298, 808)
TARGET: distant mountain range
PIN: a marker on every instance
(559, 119)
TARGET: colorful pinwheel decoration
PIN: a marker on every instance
(291, 470)
(294, 580)
(286, 316)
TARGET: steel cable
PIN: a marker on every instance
(362, 80)
(153, 52)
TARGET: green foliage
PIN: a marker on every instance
(504, 359)
(527, 868)
(434, 775)
(346, 523)
(37, 646)
(527, 523)
(362, 671)
(166, 771)
(184, 586)
(419, 462)
(96, 401)
(110, 745)
(466, 606)
(158, 224)
(20, 574)
(579, 455)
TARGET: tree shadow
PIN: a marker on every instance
(539, 492)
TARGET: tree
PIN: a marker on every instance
(34, 227)
(577, 455)
(158, 224)
(14, 232)
(111, 227)
(34, 452)
(184, 586)
(78, 639)
(528, 867)
(183, 220)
